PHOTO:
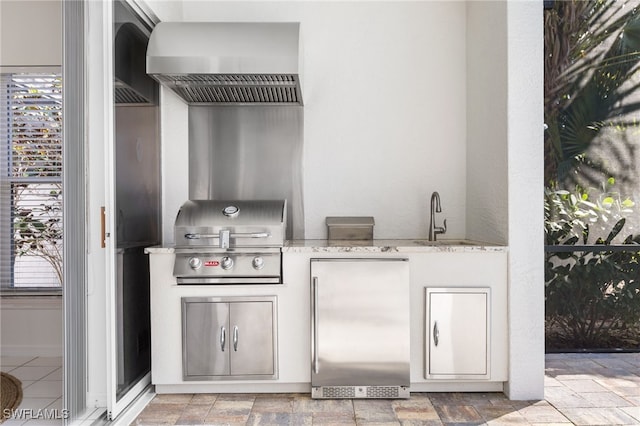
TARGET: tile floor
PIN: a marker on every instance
(581, 389)
(42, 388)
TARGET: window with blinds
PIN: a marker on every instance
(31, 181)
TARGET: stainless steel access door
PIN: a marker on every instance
(206, 342)
(360, 318)
(229, 338)
(251, 332)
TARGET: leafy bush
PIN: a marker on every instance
(592, 293)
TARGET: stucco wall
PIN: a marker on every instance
(405, 98)
(385, 107)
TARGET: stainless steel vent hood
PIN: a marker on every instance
(228, 62)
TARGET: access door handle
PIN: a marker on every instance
(235, 338)
(223, 337)
(436, 333)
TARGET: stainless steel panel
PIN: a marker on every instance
(350, 227)
(252, 335)
(361, 322)
(204, 265)
(205, 339)
(248, 153)
(457, 333)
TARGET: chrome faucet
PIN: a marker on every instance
(436, 208)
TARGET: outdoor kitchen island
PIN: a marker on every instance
(453, 285)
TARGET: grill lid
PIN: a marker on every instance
(231, 223)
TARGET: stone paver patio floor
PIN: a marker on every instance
(581, 389)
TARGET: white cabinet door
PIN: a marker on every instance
(457, 333)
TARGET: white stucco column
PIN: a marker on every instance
(525, 77)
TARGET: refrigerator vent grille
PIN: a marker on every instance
(338, 392)
(382, 392)
(371, 392)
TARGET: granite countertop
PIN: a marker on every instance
(386, 246)
(373, 246)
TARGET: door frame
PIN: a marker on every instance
(75, 227)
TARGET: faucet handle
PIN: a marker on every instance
(441, 229)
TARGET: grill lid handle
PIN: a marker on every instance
(231, 235)
(224, 238)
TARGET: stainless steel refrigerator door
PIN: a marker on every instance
(361, 322)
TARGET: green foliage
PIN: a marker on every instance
(37, 228)
(592, 55)
(590, 295)
(572, 217)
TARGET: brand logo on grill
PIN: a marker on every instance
(212, 263)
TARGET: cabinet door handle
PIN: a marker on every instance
(223, 337)
(436, 333)
(235, 338)
(314, 325)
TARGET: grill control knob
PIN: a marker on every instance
(226, 263)
(258, 262)
(195, 263)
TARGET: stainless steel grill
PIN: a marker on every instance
(230, 242)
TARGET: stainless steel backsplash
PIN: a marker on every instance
(248, 152)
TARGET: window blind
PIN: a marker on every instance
(31, 186)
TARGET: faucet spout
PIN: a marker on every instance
(436, 207)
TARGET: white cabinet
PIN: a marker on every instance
(457, 333)
(228, 338)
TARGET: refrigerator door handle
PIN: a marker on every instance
(314, 325)
(223, 337)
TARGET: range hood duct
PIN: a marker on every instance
(217, 63)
